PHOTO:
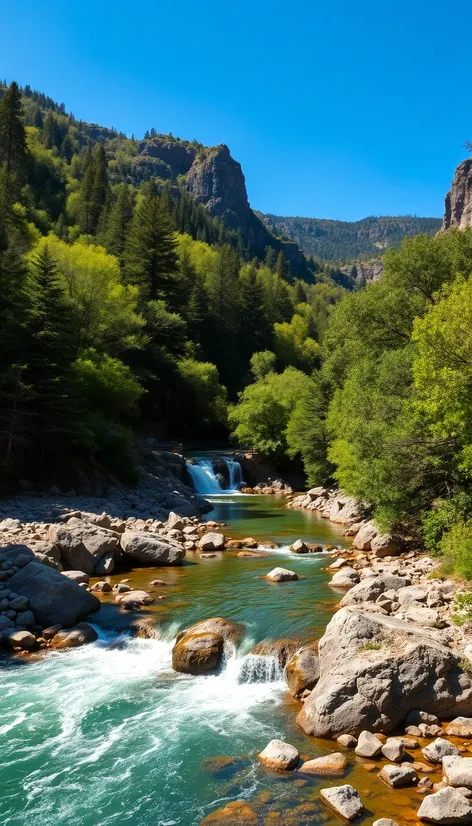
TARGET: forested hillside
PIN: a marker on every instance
(339, 241)
(125, 306)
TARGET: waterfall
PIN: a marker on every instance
(235, 473)
(205, 480)
(259, 668)
(203, 477)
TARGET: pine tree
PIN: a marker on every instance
(52, 352)
(281, 267)
(113, 234)
(85, 192)
(253, 328)
(13, 152)
(196, 312)
(50, 131)
(271, 258)
(99, 191)
(150, 254)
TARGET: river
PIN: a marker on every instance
(108, 735)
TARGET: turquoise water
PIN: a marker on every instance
(109, 735)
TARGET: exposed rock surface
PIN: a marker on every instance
(279, 755)
(446, 806)
(344, 800)
(330, 765)
(151, 550)
(458, 204)
(302, 670)
(197, 653)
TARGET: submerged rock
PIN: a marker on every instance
(236, 813)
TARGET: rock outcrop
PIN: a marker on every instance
(458, 203)
(374, 670)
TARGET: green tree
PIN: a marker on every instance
(13, 151)
(150, 254)
(118, 218)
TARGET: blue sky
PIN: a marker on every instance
(336, 109)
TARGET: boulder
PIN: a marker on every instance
(174, 522)
(53, 598)
(82, 634)
(25, 619)
(368, 745)
(211, 542)
(220, 626)
(299, 547)
(384, 821)
(446, 806)
(137, 597)
(106, 565)
(343, 800)
(279, 755)
(151, 550)
(412, 593)
(363, 689)
(364, 536)
(457, 771)
(302, 671)
(282, 650)
(440, 748)
(345, 578)
(102, 586)
(416, 716)
(197, 653)
(398, 776)
(460, 727)
(330, 765)
(82, 544)
(23, 640)
(369, 590)
(384, 545)
(281, 575)
(394, 750)
(347, 741)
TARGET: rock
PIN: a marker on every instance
(211, 542)
(299, 547)
(151, 550)
(249, 542)
(197, 653)
(122, 588)
(330, 765)
(49, 633)
(412, 593)
(105, 566)
(364, 537)
(422, 616)
(384, 545)
(344, 800)
(460, 727)
(221, 766)
(347, 740)
(281, 650)
(398, 776)
(102, 586)
(236, 813)
(384, 821)
(429, 731)
(444, 807)
(368, 745)
(376, 690)
(416, 716)
(345, 578)
(53, 598)
(393, 750)
(24, 640)
(279, 755)
(302, 671)
(457, 771)
(5, 623)
(371, 589)
(337, 564)
(76, 576)
(82, 634)
(440, 748)
(25, 619)
(220, 626)
(281, 575)
(174, 522)
(82, 544)
(458, 203)
(132, 598)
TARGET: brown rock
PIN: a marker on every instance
(330, 765)
(236, 813)
(197, 653)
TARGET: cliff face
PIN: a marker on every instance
(217, 181)
(458, 204)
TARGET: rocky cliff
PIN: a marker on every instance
(458, 204)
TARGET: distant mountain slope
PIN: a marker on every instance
(349, 240)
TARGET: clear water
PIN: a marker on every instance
(109, 735)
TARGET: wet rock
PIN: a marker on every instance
(368, 745)
(457, 771)
(102, 586)
(151, 550)
(197, 653)
(393, 750)
(440, 748)
(279, 755)
(82, 634)
(283, 649)
(444, 807)
(132, 598)
(281, 575)
(249, 542)
(229, 631)
(398, 776)
(221, 766)
(299, 547)
(302, 670)
(49, 633)
(211, 542)
(330, 765)
(344, 800)
(122, 588)
(460, 727)
(236, 813)
(22, 640)
(347, 741)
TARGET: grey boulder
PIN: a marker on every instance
(151, 550)
(446, 806)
